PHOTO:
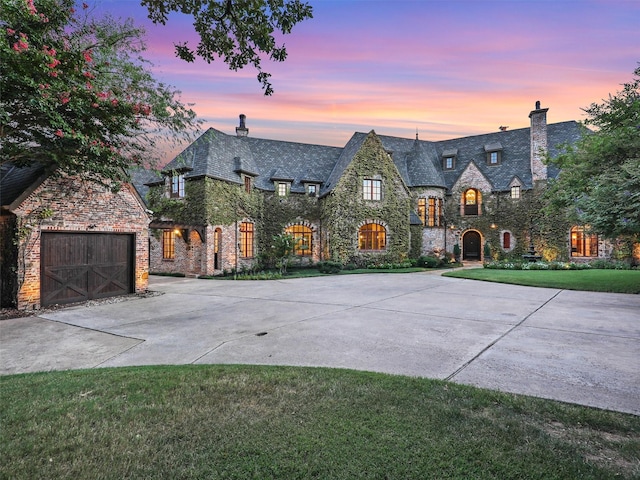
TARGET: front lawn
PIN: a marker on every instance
(594, 280)
(287, 422)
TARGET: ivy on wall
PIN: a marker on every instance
(206, 201)
(344, 209)
(278, 213)
(415, 249)
(525, 218)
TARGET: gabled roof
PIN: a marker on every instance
(218, 155)
(227, 157)
(14, 181)
(516, 153)
(346, 157)
(17, 183)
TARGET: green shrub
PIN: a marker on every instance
(329, 266)
(610, 264)
(428, 261)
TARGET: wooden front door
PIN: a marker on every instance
(82, 266)
(471, 246)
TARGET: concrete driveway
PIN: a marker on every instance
(578, 347)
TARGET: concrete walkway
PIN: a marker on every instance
(578, 347)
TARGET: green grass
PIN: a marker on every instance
(286, 422)
(618, 281)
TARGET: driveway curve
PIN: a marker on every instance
(577, 347)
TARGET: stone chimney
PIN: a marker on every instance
(242, 130)
(538, 135)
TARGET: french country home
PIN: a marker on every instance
(218, 205)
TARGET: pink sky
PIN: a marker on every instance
(448, 68)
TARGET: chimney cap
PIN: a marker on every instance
(242, 130)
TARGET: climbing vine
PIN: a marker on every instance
(525, 218)
(344, 210)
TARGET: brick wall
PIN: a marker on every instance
(72, 205)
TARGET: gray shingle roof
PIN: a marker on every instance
(15, 180)
(218, 155)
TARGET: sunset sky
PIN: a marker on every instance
(448, 68)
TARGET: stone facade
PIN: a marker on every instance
(486, 184)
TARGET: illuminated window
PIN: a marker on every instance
(471, 200)
(435, 212)
(168, 245)
(372, 236)
(371, 189)
(246, 240)
(422, 210)
(515, 191)
(303, 236)
(583, 244)
(282, 189)
(177, 186)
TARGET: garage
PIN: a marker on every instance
(75, 267)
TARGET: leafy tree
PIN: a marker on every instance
(599, 184)
(237, 31)
(77, 94)
(283, 247)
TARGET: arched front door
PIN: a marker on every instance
(471, 246)
(217, 249)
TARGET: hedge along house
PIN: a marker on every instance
(66, 240)
(219, 203)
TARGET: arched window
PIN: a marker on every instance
(506, 240)
(372, 236)
(471, 200)
(583, 244)
(303, 236)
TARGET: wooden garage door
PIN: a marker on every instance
(83, 266)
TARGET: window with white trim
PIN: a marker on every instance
(371, 189)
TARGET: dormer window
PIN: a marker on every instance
(515, 192)
(449, 159)
(449, 163)
(494, 153)
(177, 186)
(282, 189)
(247, 184)
(312, 189)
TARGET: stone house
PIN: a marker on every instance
(66, 240)
(379, 198)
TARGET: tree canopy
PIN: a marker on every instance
(599, 182)
(237, 31)
(77, 94)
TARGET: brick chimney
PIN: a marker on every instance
(242, 130)
(538, 135)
